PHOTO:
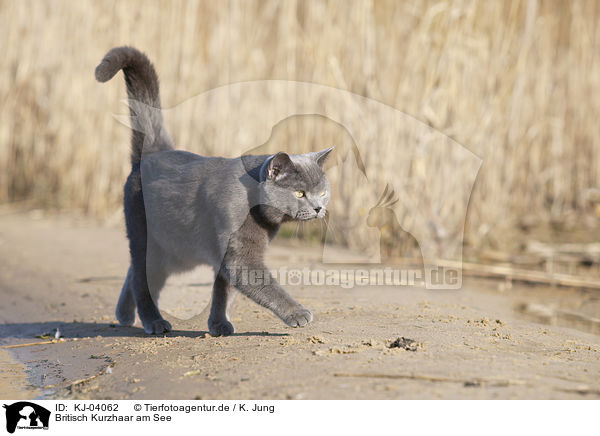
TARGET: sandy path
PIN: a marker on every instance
(66, 273)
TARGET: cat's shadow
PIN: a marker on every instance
(42, 331)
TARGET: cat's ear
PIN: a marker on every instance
(321, 156)
(280, 165)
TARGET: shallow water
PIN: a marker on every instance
(13, 379)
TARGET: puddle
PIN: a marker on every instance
(13, 379)
(551, 315)
(576, 308)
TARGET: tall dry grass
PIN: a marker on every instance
(516, 82)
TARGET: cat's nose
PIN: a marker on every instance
(318, 209)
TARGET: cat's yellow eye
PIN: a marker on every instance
(323, 193)
(299, 194)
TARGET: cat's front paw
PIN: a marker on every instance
(220, 328)
(298, 317)
(158, 327)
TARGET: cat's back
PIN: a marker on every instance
(187, 181)
(178, 164)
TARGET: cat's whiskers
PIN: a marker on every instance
(321, 223)
(329, 227)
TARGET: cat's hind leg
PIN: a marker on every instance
(135, 219)
(219, 323)
(126, 305)
(146, 300)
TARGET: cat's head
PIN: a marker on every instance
(296, 185)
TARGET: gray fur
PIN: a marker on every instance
(184, 210)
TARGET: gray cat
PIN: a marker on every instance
(184, 210)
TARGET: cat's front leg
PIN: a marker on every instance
(258, 284)
(298, 317)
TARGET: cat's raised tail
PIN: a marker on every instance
(149, 133)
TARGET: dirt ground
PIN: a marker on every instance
(487, 340)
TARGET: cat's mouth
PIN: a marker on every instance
(307, 216)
